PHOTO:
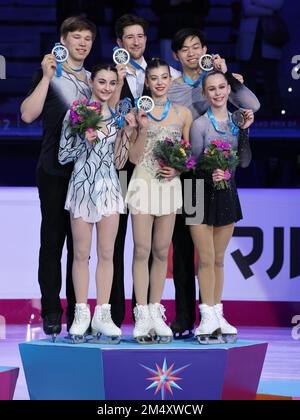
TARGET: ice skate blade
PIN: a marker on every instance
(145, 339)
(229, 338)
(75, 339)
(182, 335)
(104, 339)
(209, 340)
(163, 339)
(53, 338)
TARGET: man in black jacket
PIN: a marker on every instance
(131, 35)
(50, 97)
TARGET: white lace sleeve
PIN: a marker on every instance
(71, 146)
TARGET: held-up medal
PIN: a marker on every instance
(123, 107)
(238, 118)
(145, 103)
(121, 56)
(61, 54)
(206, 62)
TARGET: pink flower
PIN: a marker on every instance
(227, 174)
(221, 145)
(161, 163)
(190, 163)
(185, 143)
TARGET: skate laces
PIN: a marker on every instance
(159, 311)
(104, 314)
(220, 315)
(140, 312)
(81, 313)
(206, 316)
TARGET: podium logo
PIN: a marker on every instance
(2, 67)
(164, 378)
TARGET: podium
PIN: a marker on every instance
(8, 380)
(181, 370)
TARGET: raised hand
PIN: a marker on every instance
(131, 120)
(219, 63)
(121, 69)
(239, 77)
(49, 66)
(142, 119)
(249, 118)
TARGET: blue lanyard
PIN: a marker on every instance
(234, 129)
(77, 70)
(193, 83)
(58, 69)
(136, 65)
(164, 114)
(112, 115)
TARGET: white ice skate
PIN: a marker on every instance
(229, 332)
(143, 325)
(80, 325)
(209, 331)
(104, 329)
(163, 333)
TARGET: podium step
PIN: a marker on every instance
(181, 370)
(8, 380)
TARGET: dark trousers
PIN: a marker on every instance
(184, 272)
(117, 295)
(55, 229)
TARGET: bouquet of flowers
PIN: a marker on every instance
(176, 154)
(219, 155)
(84, 116)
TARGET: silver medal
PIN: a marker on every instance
(121, 56)
(145, 103)
(206, 62)
(60, 52)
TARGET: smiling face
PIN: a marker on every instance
(134, 41)
(158, 81)
(79, 44)
(190, 53)
(216, 89)
(104, 85)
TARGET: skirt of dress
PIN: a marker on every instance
(92, 204)
(149, 195)
(221, 207)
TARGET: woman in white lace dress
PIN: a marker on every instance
(152, 202)
(95, 197)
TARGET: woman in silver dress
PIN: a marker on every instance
(95, 197)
